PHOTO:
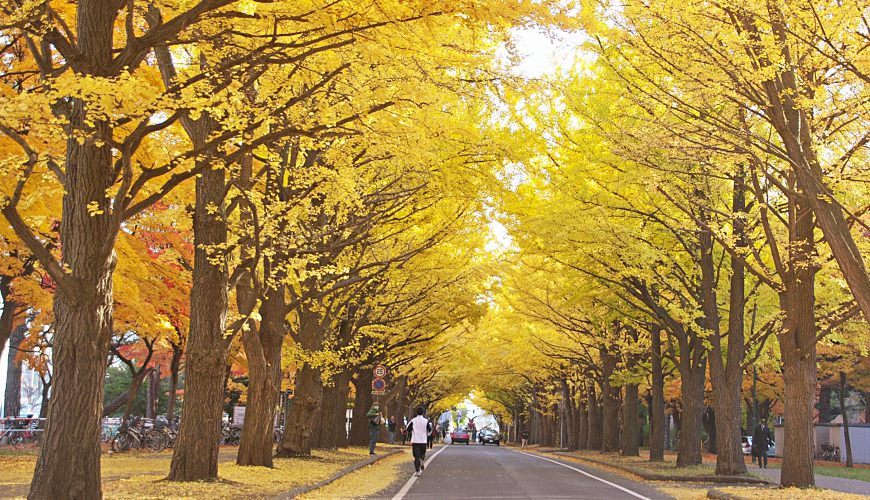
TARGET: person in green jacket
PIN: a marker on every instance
(375, 422)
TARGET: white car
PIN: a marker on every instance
(746, 444)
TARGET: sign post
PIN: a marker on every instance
(379, 385)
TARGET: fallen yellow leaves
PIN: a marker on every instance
(141, 475)
(365, 482)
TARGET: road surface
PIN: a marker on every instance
(474, 471)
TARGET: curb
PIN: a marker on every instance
(721, 495)
(301, 490)
(649, 476)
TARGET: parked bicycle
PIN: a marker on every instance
(828, 452)
(134, 433)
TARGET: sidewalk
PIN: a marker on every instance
(828, 482)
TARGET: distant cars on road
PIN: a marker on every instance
(489, 436)
(460, 436)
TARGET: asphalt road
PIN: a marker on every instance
(475, 471)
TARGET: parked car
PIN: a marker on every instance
(460, 436)
(746, 444)
(488, 436)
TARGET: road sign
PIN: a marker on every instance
(379, 386)
(380, 371)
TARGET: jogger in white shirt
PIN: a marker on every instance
(419, 427)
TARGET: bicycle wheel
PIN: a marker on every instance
(122, 442)
(17, 440)
(154, 440)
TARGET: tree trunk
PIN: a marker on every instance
(726, 368)
(657, 396)
(582, 423)
(43, 407)
(334, 432)
(359, 431)
(568, 413)
(708, 419)
(797, 345)
(610, 403)
(263, 350)
(595, 434)
(196, 451)
(135, 383)
(692, 394)
(174, 368)
(630, 424)
(845, 414)
(153, 393)
(308, 392)
(69, 459)
(12, 403)
(7, 317)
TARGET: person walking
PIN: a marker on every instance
(391, 429)
(761, 442)
(524, 437)
(375, 422)
(419, 428)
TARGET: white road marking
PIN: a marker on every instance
(404, 491)
(637, 495)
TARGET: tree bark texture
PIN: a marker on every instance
(10, 306)
(692, 395)
(568, 414)
(12, 401)
(174, 369)
(69, 459)
(263, 350)
(657, 397)
(334, 431)
(610, 403)
(595, 435)
(797, 345)
(196, 451)
(726, 362)
(630, 424)
(359, 433)
(582, 423)
(308, 393)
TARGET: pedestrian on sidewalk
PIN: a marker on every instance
(524, 438)
(391, 429)
(419, 428)
(375, 422)
(761, 442)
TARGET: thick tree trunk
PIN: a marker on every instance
(797, 345)
(657, 397)
(595, 435)
(610, 403)
(263, 350)
(582, 423)
(308, 393)
(630, 424)
(334, 432)
(359, 433)
(196, 451)
(692, 394)
(568, 413)
(726, 368)
(12, 401)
